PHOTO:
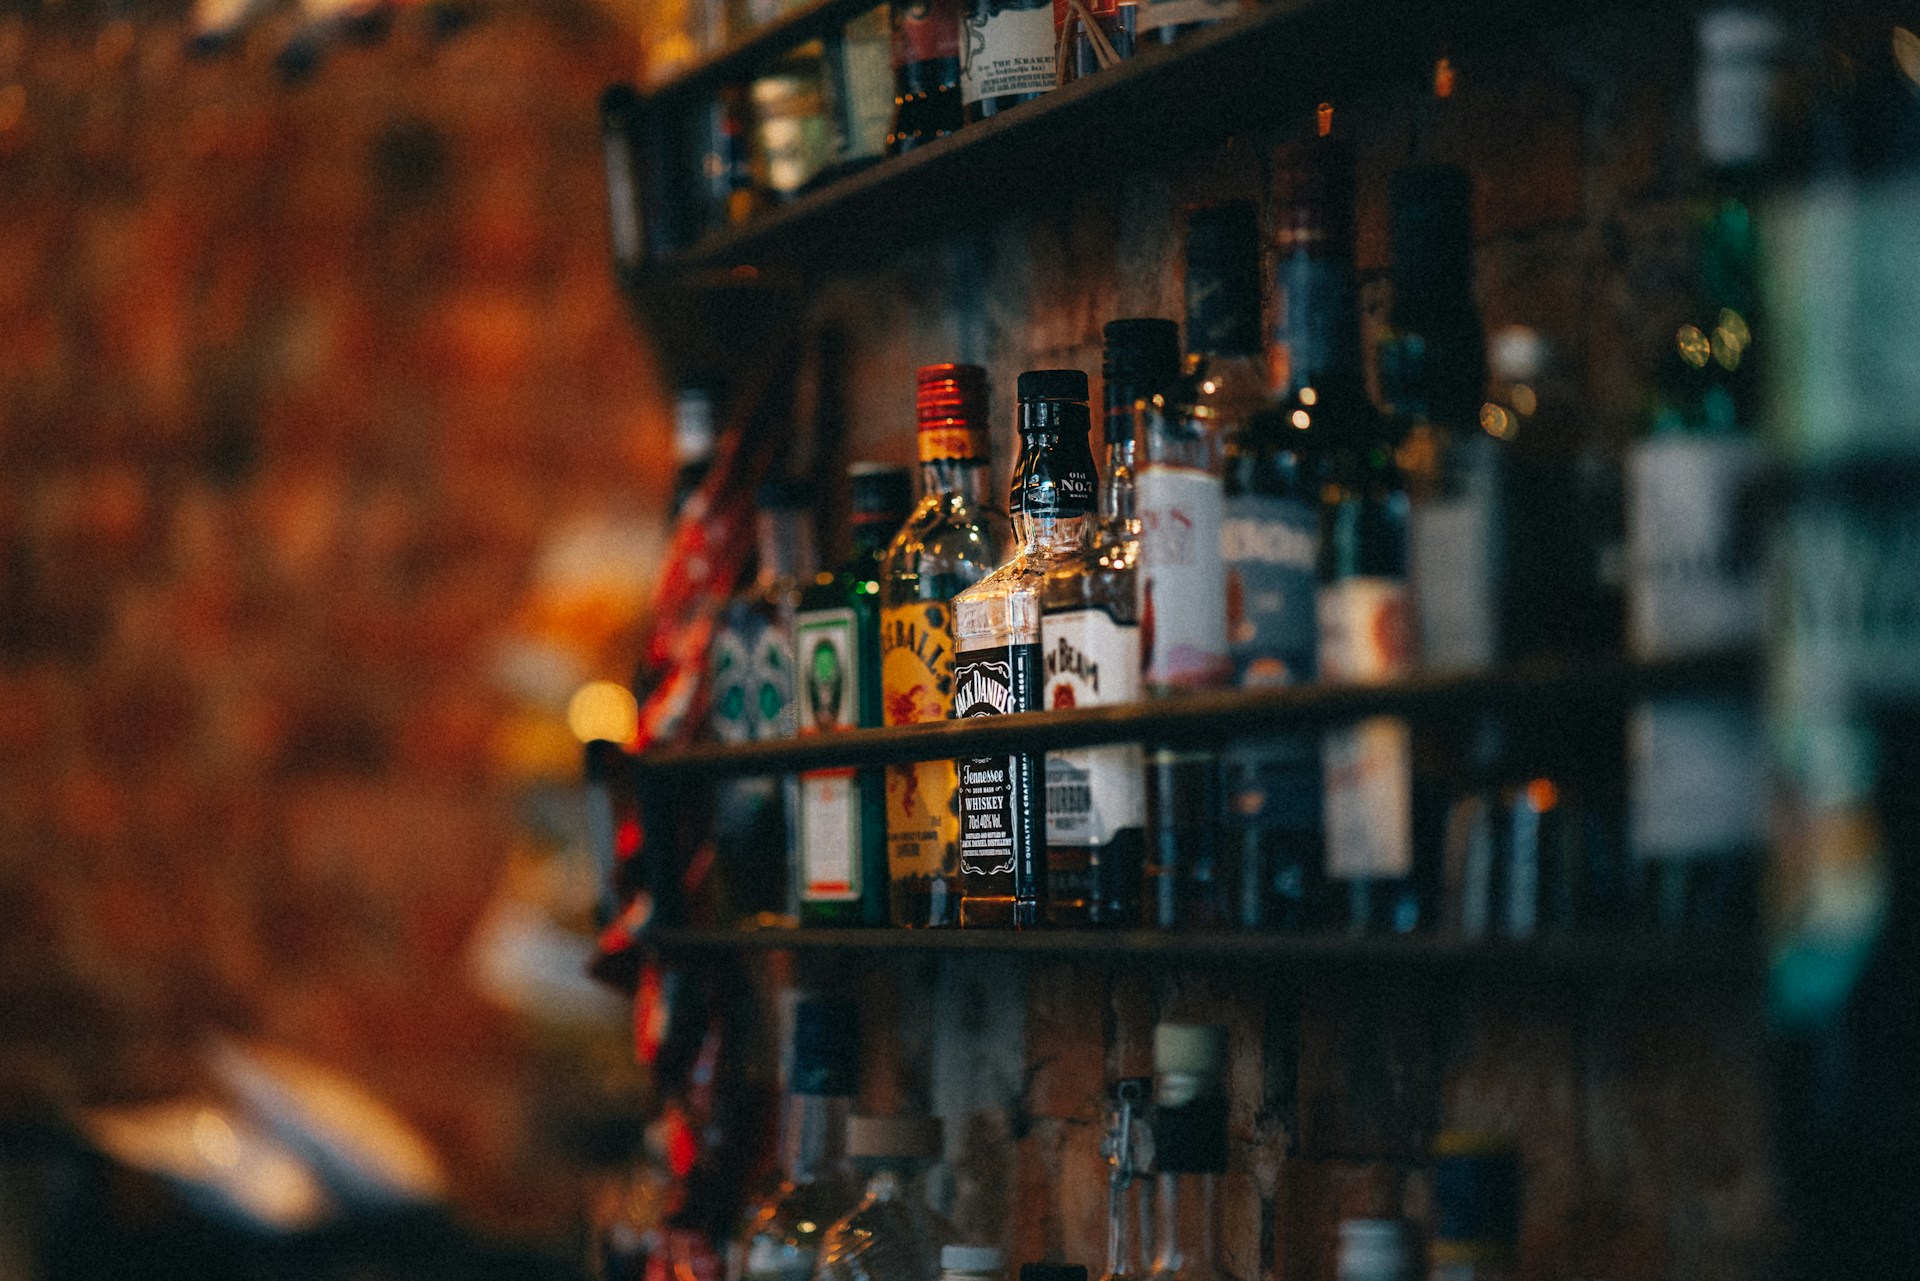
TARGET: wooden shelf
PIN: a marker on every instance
(1215, 719)
(1583, 960)
(1271, 64)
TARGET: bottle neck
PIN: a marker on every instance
(1116, 486)
(1316, 347)
(1050, 537)
(964, 478)
(785, 544)
(816, 1130)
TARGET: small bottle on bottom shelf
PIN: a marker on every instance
(997, 665)
(1190, 1149)
(1128, 1149)
(1090, 648)
(955, 537)
(892, 1234)
(783, 1233)
(841, 825)
(1006, 55)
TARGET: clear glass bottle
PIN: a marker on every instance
(750, 666)
(842, 822)
(1128, 1148)
(784, 1232)
(1090, 652)
(892, 1234)
(1190, 1149)
(1362, 601)
(955, 537)
(1695, 764)
(996, 633)
(1182, 580)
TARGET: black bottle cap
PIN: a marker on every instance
(880, 489)
(1053, 384)
(826, 1047)
(1223, 280)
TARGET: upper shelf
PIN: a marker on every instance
(1269, 64)
(1216, 718)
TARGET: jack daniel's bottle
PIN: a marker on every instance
(954, 538)
(996, 633)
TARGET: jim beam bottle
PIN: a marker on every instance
(1090, 642)
(1006, 55)
(836, 633)
(955, 537)
(997, 664)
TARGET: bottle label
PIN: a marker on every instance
(1000, 816)
(941, 442)
(1158, 14)
(925, 30)
(1008, 49)
(828, 649)
(1367, 767)
(1183, 582)
(1271, 547)
(1454, 564)
(1093, 793)
(916, 678)
(1691, 583)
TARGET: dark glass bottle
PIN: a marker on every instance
(841, 823)
(1090, 643)
(1190, 1150)
(1006, 55)
(955, 537)
(926, 72)
(1362, 599)
(996, 635)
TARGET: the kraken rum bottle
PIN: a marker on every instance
(997, 669)
(953, 539)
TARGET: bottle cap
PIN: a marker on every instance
(826, 1047)
(1372, 1250)
(1223, 280)
(1190, 1049)
(950, 407)
(909, 1137)
(880, 490)
(1053, 384)
(971, 1258)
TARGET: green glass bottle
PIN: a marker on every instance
(841, 827)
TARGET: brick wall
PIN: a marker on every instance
(297, 380)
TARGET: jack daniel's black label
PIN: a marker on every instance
(1001, 835)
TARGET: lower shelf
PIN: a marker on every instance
(1584, 960)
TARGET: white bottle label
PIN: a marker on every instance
(1093, 793)
(1368, 766)
(1183, 581)
(1454, 552)
(1690, 584)
(827, 649)
(1007, 48)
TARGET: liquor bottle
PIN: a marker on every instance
(1165, 21)
(926, 72)
(842, 822)
(1269, 543)
(751, 669)
(783, 1233)
(1476, 1202)
(1128, 1148)
(892, 1234)
(1362, 601)
(1183, 583)
(1433, 375)
(955, 537)
(1189, 1147)
(1006, 55)
(996, 634)
(1090, 651)
(860, 75)
(1695, 780)
(793, 134)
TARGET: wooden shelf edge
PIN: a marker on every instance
(1217, 718)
